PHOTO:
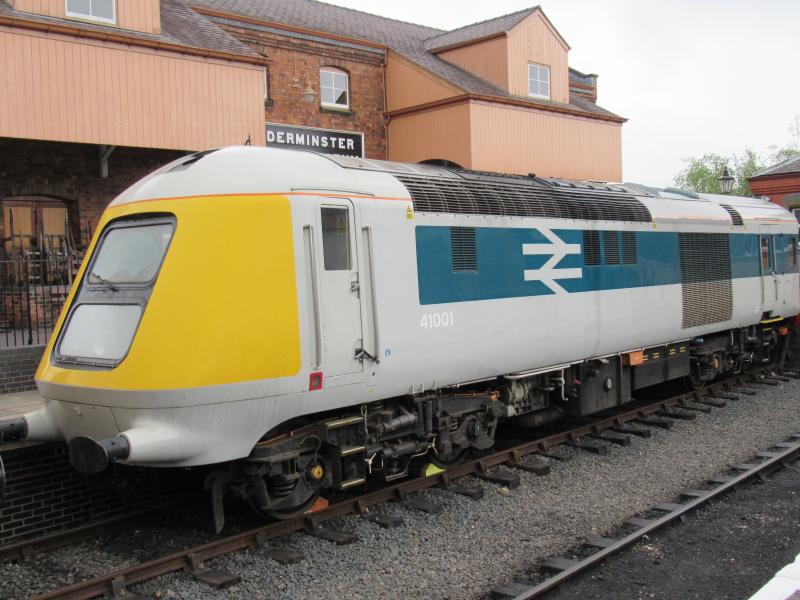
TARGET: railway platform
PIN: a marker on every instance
(784, 586)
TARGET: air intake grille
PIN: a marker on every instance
(462, 247)
(628, 248)
(705, 278)
(735, 216)
(521, 197)
(591, 248)
(611, 247)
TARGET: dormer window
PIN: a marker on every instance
(333, 88)
(538, 81)
(104, 11)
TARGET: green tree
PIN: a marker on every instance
(702, 174)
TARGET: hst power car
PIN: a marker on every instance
(307, 322)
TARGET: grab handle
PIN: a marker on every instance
(373, 294)
(308, 239)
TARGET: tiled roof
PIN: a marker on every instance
(576, 76)
(407, 39)
(790, 165)
(179, 25)
(478, 31)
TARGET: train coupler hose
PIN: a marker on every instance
(90, 457)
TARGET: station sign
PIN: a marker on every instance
(325, 141)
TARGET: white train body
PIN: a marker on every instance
(424, 296)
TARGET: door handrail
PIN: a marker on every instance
(312, 261)
(373, 293)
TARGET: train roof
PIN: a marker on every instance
(442, 189)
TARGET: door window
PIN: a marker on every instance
(766, 258)
(336, 238)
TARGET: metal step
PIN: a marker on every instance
(352, 482)
(348, 450)
(344, 422)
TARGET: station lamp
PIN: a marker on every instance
(308, 94)
(725, 181)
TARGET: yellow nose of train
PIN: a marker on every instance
(169, 298)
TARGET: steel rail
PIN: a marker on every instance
(189, 559)
(789, 452)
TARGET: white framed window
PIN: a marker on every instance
(538, 81)
(333, 88)
(104, 11)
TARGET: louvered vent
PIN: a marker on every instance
(611, 247)
(628, 248)
(591, 248)
(463, 249)
(521, 197)
(705, 278)
(735, 216)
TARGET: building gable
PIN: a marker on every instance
(535, 41)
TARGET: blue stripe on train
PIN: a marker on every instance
(501, 264)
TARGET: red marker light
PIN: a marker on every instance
(315, 381)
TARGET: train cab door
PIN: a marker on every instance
(786, 254)
(340, 303)
(769, 276)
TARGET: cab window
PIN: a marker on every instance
(131, 254)
(108, 307)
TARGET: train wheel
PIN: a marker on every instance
(285, 514)
(695, 383)
(444, 461)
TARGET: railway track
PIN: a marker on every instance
(614, 428)
(566, 569)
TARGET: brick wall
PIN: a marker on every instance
(17, 367)
(45, 494)
(291, 57)
(71, 172)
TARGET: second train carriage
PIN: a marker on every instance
(307, 322)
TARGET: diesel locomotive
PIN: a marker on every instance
(295, 322)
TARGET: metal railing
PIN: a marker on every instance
(32, 293)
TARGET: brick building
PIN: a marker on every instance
(103, 93)
(780, 183)
(497, 95)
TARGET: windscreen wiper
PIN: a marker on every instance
(106, 282)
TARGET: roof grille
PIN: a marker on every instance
(735, 216)
(522, 197)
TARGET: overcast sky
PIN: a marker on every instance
(692, 76)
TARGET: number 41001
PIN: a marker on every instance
(436, 320)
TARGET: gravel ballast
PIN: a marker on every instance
(726, 551)
(474, 545)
